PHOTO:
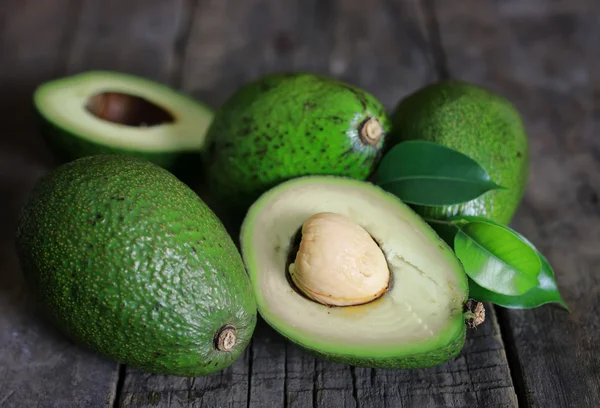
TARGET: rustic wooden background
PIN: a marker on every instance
(544, 55)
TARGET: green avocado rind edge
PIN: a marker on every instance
(436, 350)
(68, 144)
(422, 360)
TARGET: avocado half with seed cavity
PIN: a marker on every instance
(352, 274)
(102, 112)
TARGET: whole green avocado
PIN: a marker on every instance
(286, 125)
(478, 123)
(126, 260)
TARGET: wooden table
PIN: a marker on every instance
(543, 55)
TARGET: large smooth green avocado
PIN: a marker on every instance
(478, 123)
(287, 125)
(417, 322)
(128, 261)
(104, 112)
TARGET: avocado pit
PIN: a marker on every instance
(338, 263)
(128, 110)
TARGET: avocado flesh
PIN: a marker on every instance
(129, 262)
(287, 125)
(73, 131)
(478, 123)
(418, 322)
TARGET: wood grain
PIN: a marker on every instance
(38, 366)
(138, 37)
(385, 51)
(378, 45)
(274, 372)
(543, 56)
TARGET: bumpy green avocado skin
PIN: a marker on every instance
(126, 260)
(479, 124)
(430, 359)
(287, 125)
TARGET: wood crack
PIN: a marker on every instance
(435, 42)
(6, 397)
(354, 388)
(119, 387)
(68, 38)
(250, 360)
(315, 401)
(512, 356)
(285, 375)
(181, 41)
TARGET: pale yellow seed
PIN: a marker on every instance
(338, 262)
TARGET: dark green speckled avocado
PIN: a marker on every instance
(287, 125)
(478, 123)
(126, 260)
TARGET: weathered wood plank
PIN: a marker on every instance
(543, 55)
(379, 46)
(478, 377)
(38, 366)
(228, 388)
(385, 51)
(138, 37)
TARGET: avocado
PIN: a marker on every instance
(311, 246)
(127, 261)
(478, 123)
(287, 125)
(104, 112)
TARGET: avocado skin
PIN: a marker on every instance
(127, 261)
(446, 350)
(286, 125)
(424, 360)
(478, 123)
(67, 146)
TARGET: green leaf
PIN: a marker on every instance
(545, 292)
(495, 257)
(426, 173)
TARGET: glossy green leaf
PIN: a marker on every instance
(426, 173)
(545, 292)
(495, 257)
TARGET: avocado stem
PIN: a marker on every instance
(371, 131)
(225, 339)
(474, 313)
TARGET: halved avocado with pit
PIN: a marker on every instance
(417, 320)
(102, 112)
